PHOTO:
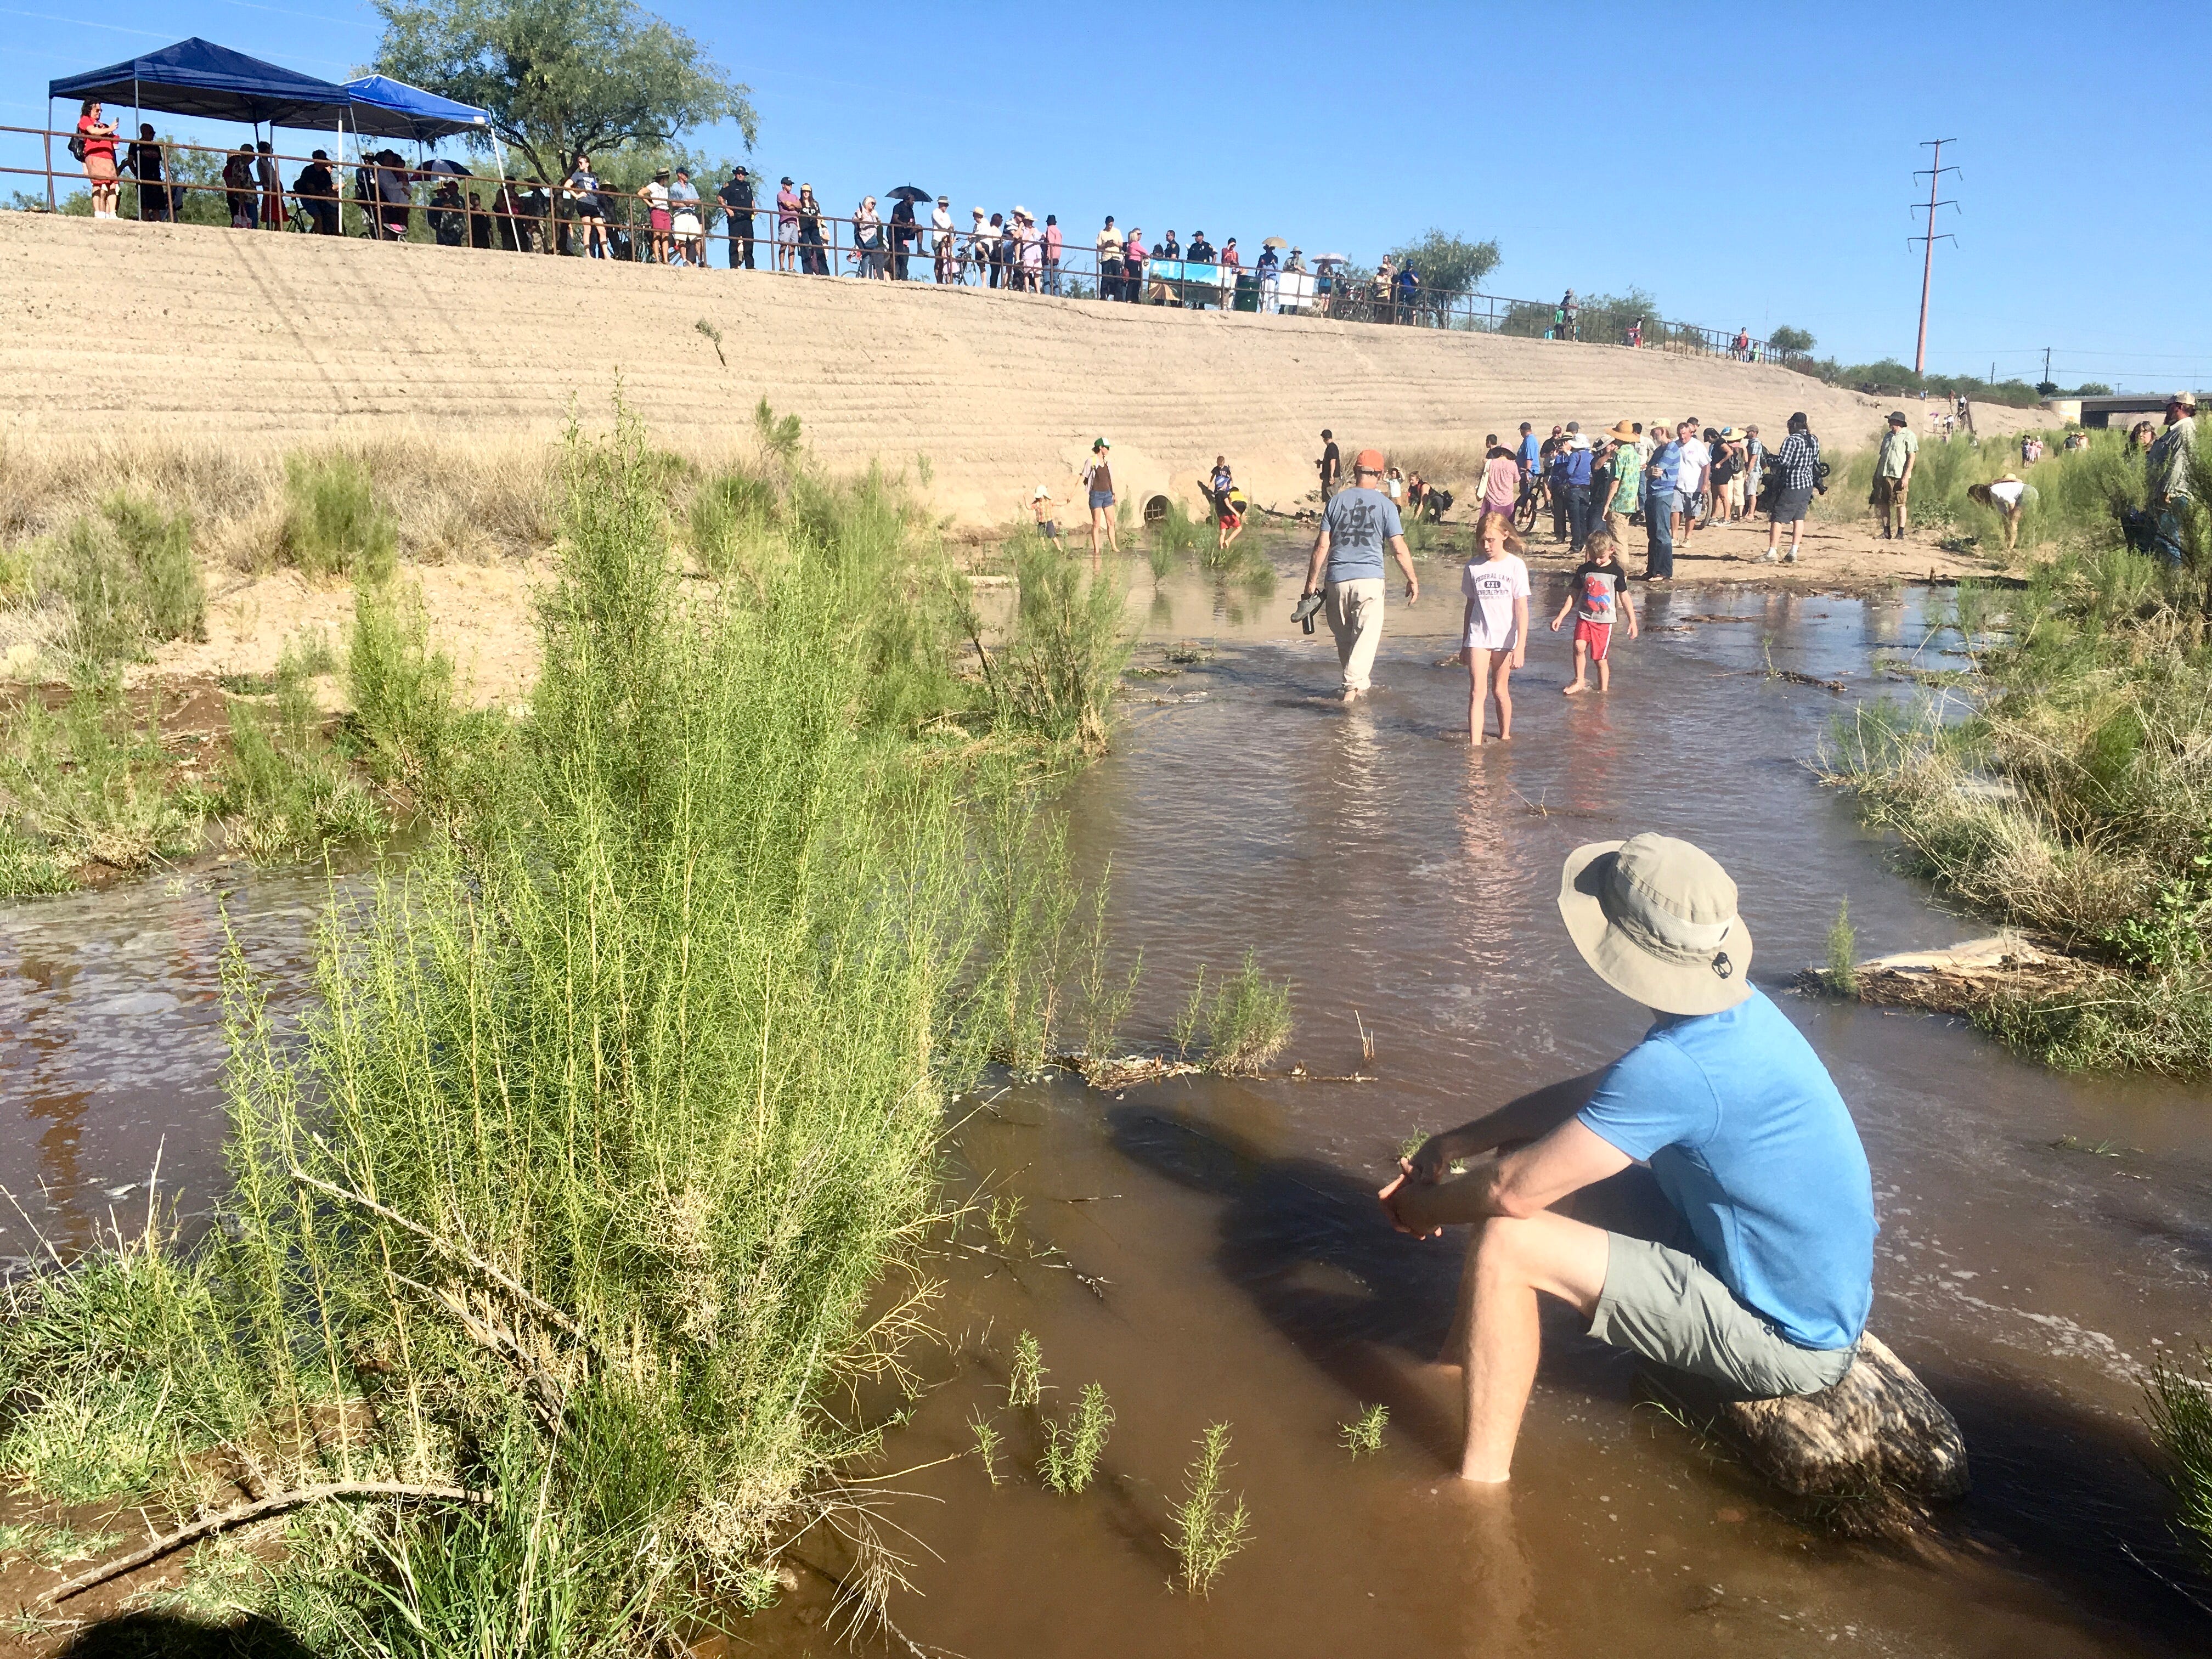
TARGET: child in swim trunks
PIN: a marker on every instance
(1600, 588)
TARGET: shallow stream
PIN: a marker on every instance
(1408, 885)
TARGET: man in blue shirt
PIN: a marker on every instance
(1764, 1282)
(1660, 476)
(1358, 525)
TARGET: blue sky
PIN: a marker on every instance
(1745, 165)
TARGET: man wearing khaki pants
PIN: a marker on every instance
(1355, 527)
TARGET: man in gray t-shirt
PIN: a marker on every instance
(1356, 526)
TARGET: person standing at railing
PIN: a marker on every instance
(94, 146)
(237, 192)
(449, 214)
(144, 162)
(902, 237)
(944, 245)
(787, 226)
(1269, 270)
(1032, 254)
(1109, 261)
(867, 255)
(591, 217)
(271, 184)
(654, 194)
(990, 251)
(1133, 265)
(737, 199)
(813, 252)
(317, 191)
(1409, 293)
(1052, 248)
(688, 233)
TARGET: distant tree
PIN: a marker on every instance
(563, 75)
(2046, 388)
(1446, 265)
(1790, 342)
(2092, 389)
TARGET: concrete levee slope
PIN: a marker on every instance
(219, 333)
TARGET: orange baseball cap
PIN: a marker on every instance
(1369, 460)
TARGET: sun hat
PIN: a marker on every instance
(2186, 399)
(1369, 460)
(1655, 918)
(1728, 432)
(1042, 494)
(1897, 418)
(1624, 430)
(1578, 441)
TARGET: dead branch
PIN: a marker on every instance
(453, 1253)
(242, 1514)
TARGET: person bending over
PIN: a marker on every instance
(1762, 1281)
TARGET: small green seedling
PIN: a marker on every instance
(1025, 1378)
(1362, 1435)
(1005, 1214)
(1072, 1449)
(1209, 1529)
(1843, 953)
(988, 1442)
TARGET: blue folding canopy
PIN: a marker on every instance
(197, 77)
(386, 109)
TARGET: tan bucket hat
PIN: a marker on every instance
(1624, 430)
(1655, 918)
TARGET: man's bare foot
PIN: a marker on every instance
(1573, 688)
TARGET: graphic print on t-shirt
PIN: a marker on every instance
(1597, 584)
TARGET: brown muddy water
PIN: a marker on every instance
(1238, 1268)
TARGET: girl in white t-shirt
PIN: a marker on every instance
(1495, 637)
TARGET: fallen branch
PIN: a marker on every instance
(243, 1513)
(453, 1253)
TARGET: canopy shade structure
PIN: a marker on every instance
(386, 109)
(197, 77)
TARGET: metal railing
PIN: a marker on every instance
(372, 199)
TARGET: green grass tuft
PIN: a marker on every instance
(334, 525)
(1210, 1529)
(1073, 1448)
(1362, 1435)
(1843, 966)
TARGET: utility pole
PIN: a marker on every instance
(2047, 365)
(1935, 171)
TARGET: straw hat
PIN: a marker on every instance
(1655, 918)
(1624, 430)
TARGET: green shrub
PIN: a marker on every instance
(131, 581)
(1843, 968)
(1073, 1448)
(730, 513)
(1071, 642)
(85, 784)
(333, 524)
(1249, 1022)
(288, 792)
(2180, 1405)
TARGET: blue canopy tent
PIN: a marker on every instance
(386, 109)
(197, 77)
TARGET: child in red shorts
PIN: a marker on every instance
(1600, 589)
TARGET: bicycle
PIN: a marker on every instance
(1530, 506)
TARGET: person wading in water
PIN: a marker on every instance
(1356, 526)
(1762, 1273)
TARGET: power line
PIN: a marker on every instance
(1935, 171)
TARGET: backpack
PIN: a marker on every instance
(76, 148)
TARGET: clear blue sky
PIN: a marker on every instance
(1744, 164)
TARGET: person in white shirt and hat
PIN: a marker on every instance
(2007, 497)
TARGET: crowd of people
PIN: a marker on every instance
(671, 219)
(1675, 479)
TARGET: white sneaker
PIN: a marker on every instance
(1769, 557)
(1790, 558)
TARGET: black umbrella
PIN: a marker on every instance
(910, 193)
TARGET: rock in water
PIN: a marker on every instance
(1876, 1449)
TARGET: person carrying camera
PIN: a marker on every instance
(1357, 524)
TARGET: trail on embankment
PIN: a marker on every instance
(108, 325)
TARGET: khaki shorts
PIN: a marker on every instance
(1665, 1305)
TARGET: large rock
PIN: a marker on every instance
(1874, 1451)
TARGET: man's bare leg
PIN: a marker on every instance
(1496, 1337)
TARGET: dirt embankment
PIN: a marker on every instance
(108, 325)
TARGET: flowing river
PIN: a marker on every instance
(1232, 1265)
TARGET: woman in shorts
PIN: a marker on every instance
(1494, 640)
(590, 218)
(1098, 485)
(97, 134)
(657, 215)
(1797, 468)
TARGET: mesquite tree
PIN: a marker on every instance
(563, 75)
